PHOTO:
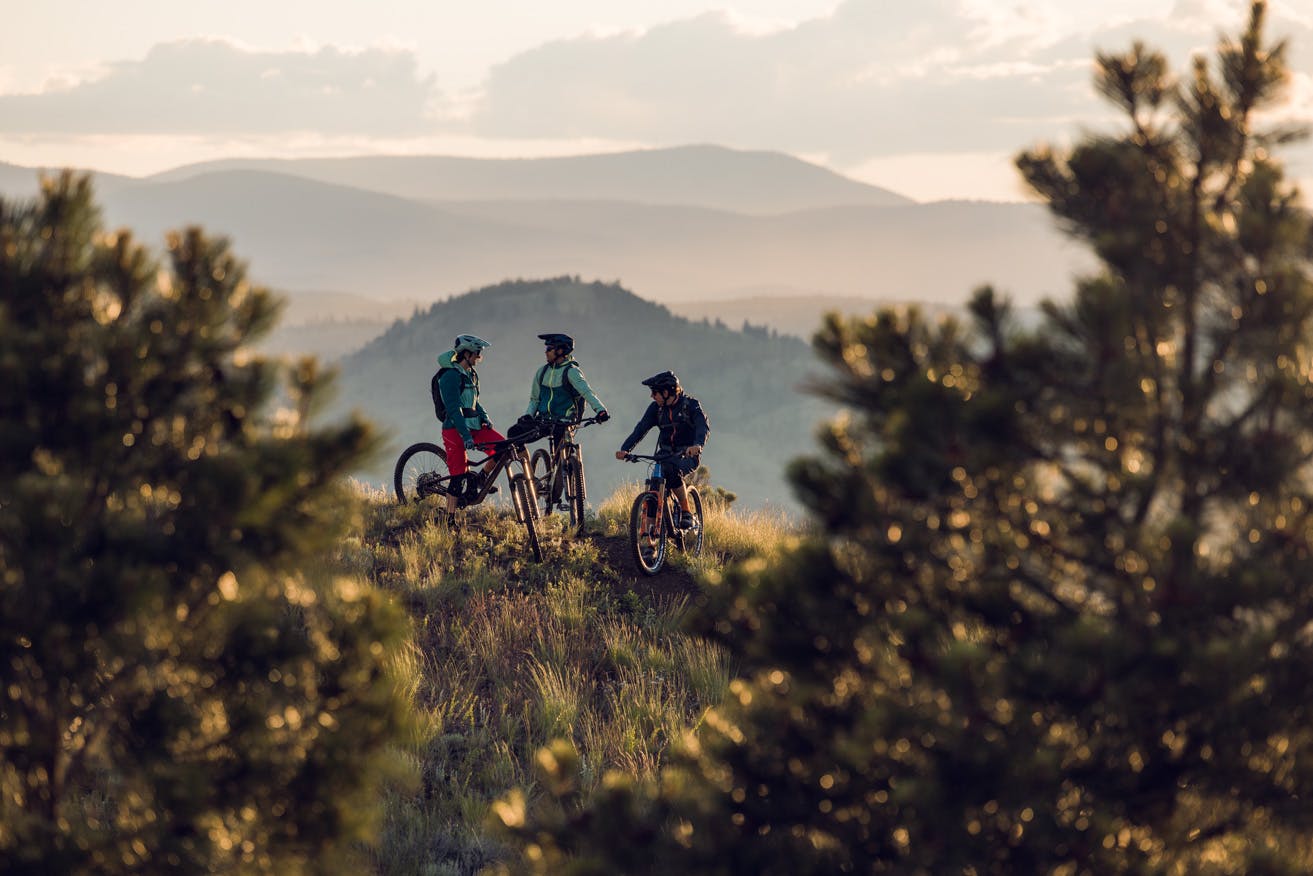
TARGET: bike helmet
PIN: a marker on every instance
(559, 341)
(666, 380)
(470, 344)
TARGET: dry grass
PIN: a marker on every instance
(508, 655)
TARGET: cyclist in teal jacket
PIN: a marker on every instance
(559, 389)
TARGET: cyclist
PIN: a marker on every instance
(682, 427)
(559, 389)
(466, 422)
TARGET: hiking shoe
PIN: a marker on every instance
(684, 520)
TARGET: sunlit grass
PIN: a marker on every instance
(508, 655)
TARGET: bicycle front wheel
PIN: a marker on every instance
(540, 469)
(522, 500)
(647, 533)
(421, 471)
(573, 474)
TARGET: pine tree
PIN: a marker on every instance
(183, 687)
(1059, 621)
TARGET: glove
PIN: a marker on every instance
(486, 424)
(527, 420)
(603, 416)
(469, 443)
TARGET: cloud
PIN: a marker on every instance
(873, 79)
(213, 86)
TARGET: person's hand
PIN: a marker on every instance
(486, 424)
(469, 443)
(695, 451)
(621, 454)
(603, 416)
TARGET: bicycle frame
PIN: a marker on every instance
(651, 518)
(516, 453)
(560, 478)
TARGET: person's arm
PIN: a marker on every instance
(450, 385)
(701, 425)
(644, 426)
(579, 382)
(535, 389)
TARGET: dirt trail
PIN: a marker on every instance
(624, 574)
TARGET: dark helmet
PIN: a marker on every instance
(558, 340)
(666, 380)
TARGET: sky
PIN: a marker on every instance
(930, 98)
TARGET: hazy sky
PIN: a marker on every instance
(930, 97)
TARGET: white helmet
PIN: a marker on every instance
(470, 343)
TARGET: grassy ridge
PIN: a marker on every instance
(508, 655)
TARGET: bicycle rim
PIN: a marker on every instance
(418, 463)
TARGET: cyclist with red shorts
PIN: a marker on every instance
(466, 423)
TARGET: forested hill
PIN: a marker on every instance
(748, 382)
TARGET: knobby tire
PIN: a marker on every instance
(638, 539)
(522, 500)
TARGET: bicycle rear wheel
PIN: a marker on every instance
(540, 469)
(522, 500)
(421, 471)
(573, 475)
(647, 534)
(692, 538)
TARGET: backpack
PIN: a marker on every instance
(439, 409)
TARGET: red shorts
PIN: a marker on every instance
(457, 461)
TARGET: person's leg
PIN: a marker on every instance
(675, 481)
(457, 464)
(487, 436)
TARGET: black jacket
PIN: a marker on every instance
(681, 425)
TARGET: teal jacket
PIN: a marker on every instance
(550, 393)
(460, 396)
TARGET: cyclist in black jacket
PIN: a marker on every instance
(682, 427)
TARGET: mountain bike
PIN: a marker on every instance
(558, 473)
(652, 518)
(421, 472)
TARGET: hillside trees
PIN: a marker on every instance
(1060, 618)
(183, 689)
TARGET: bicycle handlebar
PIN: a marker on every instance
(660, 457)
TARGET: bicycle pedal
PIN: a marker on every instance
(562, 506)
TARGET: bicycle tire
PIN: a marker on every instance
(638, 539)
(415, 460)
(676, 534)
(525, 510)
(692, 538)
(540, 469)
(573, 471)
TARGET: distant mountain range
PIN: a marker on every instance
(710, 177)
(677, 225)
(749, 383)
